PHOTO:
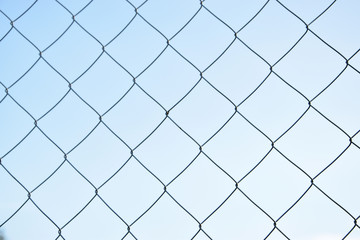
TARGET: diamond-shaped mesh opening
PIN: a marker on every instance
(279, 27)
(322, 143)
(104, 224)
(130, 49)
(274, 107)
(269, 182)
(98, 162)
(303, 68)
(339, 181)
(237, 73)
(341, 101)
(132, 191)
(200, 41)
(165, 220)
(34, 224)
(250, 222)
(169, 17)
(338, 30)
(39, 90)
(103, 85)
(73, 117)
(113, 15)
(36, 22)
(167, 152)
(70, 194)
(181, 119)
(169, 79)
(134, 117)
(202, 181)
(315, 216)
(36, 153)
(73, 49)
(206, 111)
(233, 148)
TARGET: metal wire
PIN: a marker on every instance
(136, 83)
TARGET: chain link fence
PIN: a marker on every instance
(179, 119)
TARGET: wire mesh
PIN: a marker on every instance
(179, 120)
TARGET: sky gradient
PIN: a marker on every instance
(179, 120)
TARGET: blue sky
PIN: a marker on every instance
(66, 64)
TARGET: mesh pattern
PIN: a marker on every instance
(182, 120)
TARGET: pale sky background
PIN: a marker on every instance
(36, 89)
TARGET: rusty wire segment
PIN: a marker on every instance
(135, 82)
